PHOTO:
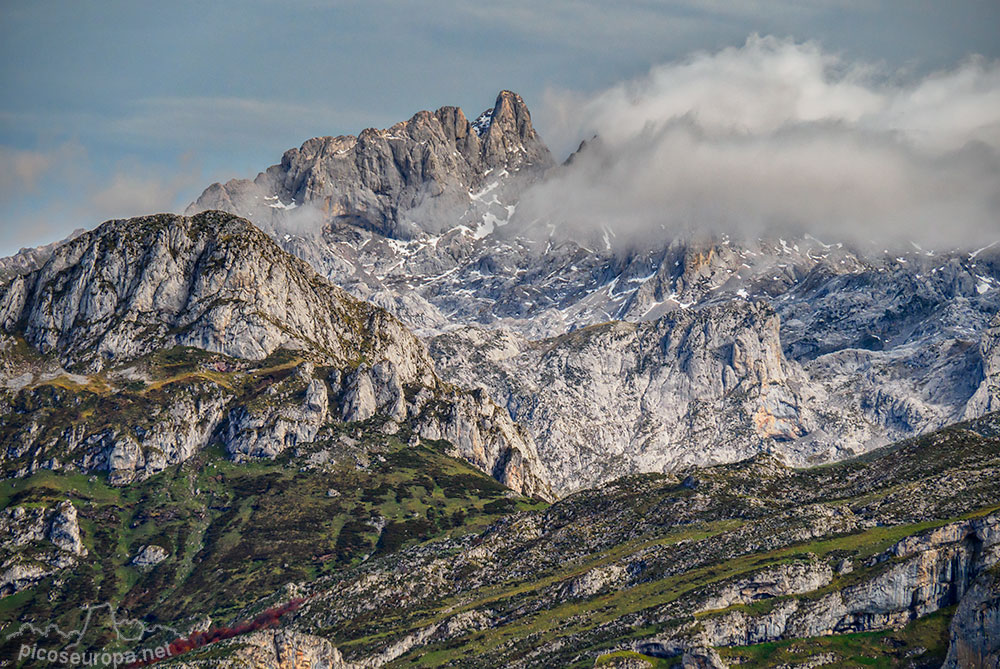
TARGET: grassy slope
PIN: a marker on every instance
(237, 532)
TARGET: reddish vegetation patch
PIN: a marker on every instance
(265, 620)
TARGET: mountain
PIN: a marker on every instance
(28, 259)
(145, 340)
(847, 349)
(623, 398)
(203, 539)
(365, 411)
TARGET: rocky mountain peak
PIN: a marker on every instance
(453, 122)
(510, 140)
(217, 294)
(418, 175)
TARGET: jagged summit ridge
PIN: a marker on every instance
(416, 175)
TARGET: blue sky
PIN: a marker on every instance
(120, 108)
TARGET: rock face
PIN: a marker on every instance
(986, 398)
(619, 398)
(624, 398)
(933, 571)
(280, 649)
(166, 302)
(64, 529)
(264, 429)
(29, 259)
(212, 281)
(485, 435)
(415, 176)
(975, 629)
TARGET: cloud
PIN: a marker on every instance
(21, 169)
(781, 136)
(46, 194)
(138, 192)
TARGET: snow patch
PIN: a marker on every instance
(479, 196)
(275, 203)
(490, 223)
(482, 123)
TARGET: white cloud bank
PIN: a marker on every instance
(780, 136)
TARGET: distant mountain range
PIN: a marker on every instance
(815, 350)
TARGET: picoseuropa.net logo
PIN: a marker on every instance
(56, 647)
(66, 651)
(67, 658)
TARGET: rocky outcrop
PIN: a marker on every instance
(368, 390)
(110, 300)
(622, 398)
(37, 542)
(172, 434)
(619, 398)
(212, 281)
(784, 580)
(29, 259)
(64, 529)
(138, 437)
(919, 575)
(986, 398)
(483, 433)
(286, 415)
(149, 556)
(278, 649)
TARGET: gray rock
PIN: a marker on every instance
(289, 415)
(130, 288)
(278, 648)
(623, 398)
(876, 346)
(133, 287)
(149, 556)
(64, 529)
(416, 175)
(35, 543)
(975, 627)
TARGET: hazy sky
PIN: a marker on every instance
(121, 108)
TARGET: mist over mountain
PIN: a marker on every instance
(774, 138)
(779, 137)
